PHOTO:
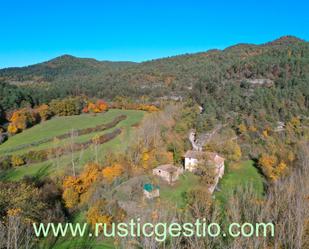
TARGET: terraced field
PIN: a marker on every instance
(41, 137)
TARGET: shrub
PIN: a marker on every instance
(134, 106)
(12, 129)
(36, 156)
(17, 161)
(22, 119)
(5, 163)
(66, 107)
(70, 197)
(44, 112)
(97, 107)
(3, 137)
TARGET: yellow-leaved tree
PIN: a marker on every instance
(44, 112)
(17, 161)
(267, 164)
(75, 188)
(97, 213)
(70, 197)
(112, 172)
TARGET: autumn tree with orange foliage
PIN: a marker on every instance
(112, 172)
(71, 197)
(272, 167)
(105, 212)
(12, 129)
(148, 108)
(21, 119)
(89, 176)
(27, 117)
(44, 112)
(75, 187)
(267, 163)
(242, 128)
(128, 104)
(97, 213)
(98, 107)
(17, 161)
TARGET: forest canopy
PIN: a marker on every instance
(268, 80)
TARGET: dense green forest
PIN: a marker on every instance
(240, 80)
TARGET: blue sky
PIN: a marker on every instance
(34, 31)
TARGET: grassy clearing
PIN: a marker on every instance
(52, 167)
(241, 174)
(60, 125)
(176, 193)
(63, 142)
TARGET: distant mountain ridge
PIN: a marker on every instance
(175, 75)
(64, 66)
(65, 58)
(270, 81)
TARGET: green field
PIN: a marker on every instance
(176, 193)
(238, 175)
(61, 125)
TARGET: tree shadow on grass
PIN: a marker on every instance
(3, 175)
(14, 174)
(42, 172)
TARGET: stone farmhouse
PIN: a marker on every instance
(193, 157)
(211, 159)
(168, 172)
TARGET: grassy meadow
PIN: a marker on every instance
(239, 175)
(176, 194)
(61, 125)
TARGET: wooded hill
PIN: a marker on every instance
(277, 71)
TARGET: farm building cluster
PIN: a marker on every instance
(193, 160)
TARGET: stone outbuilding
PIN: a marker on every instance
(168, 172)
(151, 191)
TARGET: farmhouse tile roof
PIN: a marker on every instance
(211, 156)
(194, 154)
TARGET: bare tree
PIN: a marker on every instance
(16, 234)
(285, 205)
(72, 149)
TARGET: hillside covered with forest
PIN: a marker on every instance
(243, 78)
